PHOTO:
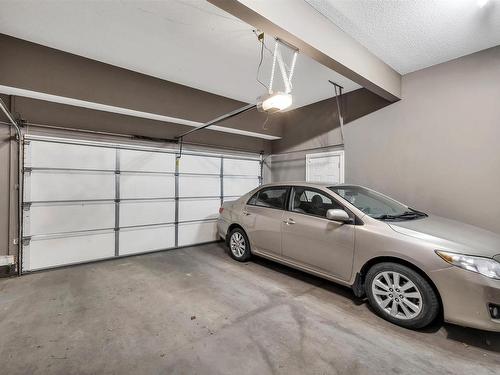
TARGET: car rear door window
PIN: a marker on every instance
(272, 197)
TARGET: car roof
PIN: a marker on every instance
(305, 183)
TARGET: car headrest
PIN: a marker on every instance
(316, 200)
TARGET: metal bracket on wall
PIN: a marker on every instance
(261, 162)
(278, 59)
(340, 107)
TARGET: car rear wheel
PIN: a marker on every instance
(239, 246)
(401, 295)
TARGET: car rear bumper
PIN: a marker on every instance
(466, 297)
(222, 227)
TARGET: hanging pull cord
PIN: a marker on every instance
(338, 100)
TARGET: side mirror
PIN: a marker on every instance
(338, 215)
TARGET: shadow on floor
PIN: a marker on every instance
(484, 340)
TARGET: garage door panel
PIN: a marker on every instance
(198, 209)
(199, 186)
(144, 185)
(237, 186)
(61, 155)
(68, 217)
(69, 185)
(241, 167)
(77, 198)
(144, 239)
(199, 164)
(197, 232)
(57, 251)
(146, 212)
(147, 161)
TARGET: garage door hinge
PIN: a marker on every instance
(117, 200)
(26, 241)
(116, 229)
(27, 169)
(117, 172)
(26, 206)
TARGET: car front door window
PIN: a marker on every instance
(311, 202)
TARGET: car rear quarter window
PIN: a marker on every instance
(272, 197)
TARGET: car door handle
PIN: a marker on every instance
(245, 212)
(289, 221)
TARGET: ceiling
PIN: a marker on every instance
(189, 42)
(412, 35)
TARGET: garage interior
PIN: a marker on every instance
(126, 125)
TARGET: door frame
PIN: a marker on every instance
(339, 153)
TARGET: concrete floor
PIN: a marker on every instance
(196, 311)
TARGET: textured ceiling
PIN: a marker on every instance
(190, 42)
(412, 35)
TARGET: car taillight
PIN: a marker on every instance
(221, 209)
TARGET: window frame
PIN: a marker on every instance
(277, 187)
(355, 219)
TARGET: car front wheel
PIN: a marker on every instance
(239, 246)
(401, 295)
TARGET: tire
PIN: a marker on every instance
(400, 295)
(239, 245)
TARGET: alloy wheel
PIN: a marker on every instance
(237, 244)
(397, 295)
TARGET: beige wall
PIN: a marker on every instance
(438, 149)
(316, 128)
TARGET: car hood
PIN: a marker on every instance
(451, 235)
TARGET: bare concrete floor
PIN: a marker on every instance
(196, 311)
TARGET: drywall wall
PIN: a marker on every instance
(438, 148)
(315, 128)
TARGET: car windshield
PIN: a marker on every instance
(375, 204)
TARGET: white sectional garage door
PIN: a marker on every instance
(85, 201)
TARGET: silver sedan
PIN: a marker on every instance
(411, 266)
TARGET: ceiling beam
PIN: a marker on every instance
(299, 24)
